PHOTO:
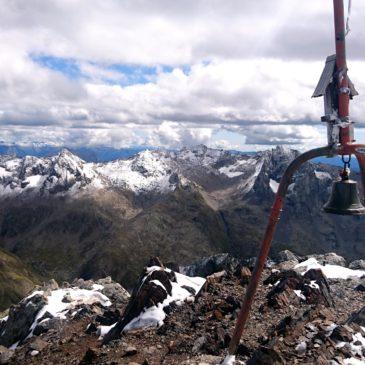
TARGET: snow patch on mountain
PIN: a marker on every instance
(249, 182)
(321, 175)
(238, 168)
(147, 171)
(331, 271)
(274, 186)
(57, 303)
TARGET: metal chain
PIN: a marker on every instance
(346, 168)
(346, 162)
(348, 18)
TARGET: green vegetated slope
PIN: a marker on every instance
(95, 237)
(16, 280)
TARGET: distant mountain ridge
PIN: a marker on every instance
(89, 154)
(148, 171)
(106, 154)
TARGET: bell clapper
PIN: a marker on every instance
(345, 173)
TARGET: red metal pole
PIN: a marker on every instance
(343, 83)
(266, 243)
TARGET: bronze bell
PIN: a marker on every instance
(344, 198)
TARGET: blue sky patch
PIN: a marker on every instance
(67, 66)
(133, 74)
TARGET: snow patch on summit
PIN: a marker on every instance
(147, 171)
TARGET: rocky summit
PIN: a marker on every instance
(310, 312)
(66, 218)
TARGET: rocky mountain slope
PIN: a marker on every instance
(308, 310)
(16, 280)
(67, 218)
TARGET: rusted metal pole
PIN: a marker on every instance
(341, 65)
(266, 243)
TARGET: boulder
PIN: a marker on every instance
(267, 356)
(287, 265)
(38, 344)
(217, 277)
(286, 255)
(109, 317)
(342, 333)
(357, 265)
(244, 275)
(115, 292)
(48, 324)
(360, 287)
(5, 355)
(358, 317)
(290, 288)
(50, 285)
(330, 258)
(210, 265)
(21, 318)
(147, 293)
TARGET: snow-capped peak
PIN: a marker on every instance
(148, 171)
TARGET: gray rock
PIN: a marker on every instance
(82, 284)
(50, 285)
(360, 287)
(203, 360)
(67, 298)
(330, 258)
(199, 344)
(130, 351)
(104, 281)
(358, 317)
(48, 324)
(287, 265)
(5, 355)
(357, 265)
(116, 293)
(38, 344)
(286, 255)
(21, 318)
(209, 265)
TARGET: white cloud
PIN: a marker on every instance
(252, 69)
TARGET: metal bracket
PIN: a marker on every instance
(334, 124)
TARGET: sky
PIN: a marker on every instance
(230, 74)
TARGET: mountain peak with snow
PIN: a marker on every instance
(148, 171)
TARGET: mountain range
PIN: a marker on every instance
(66, 218)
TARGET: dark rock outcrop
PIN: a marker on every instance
(210, 265)
(146, 294)
(290, 286)
(20, 320)
(357, 265)
(358, 317)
